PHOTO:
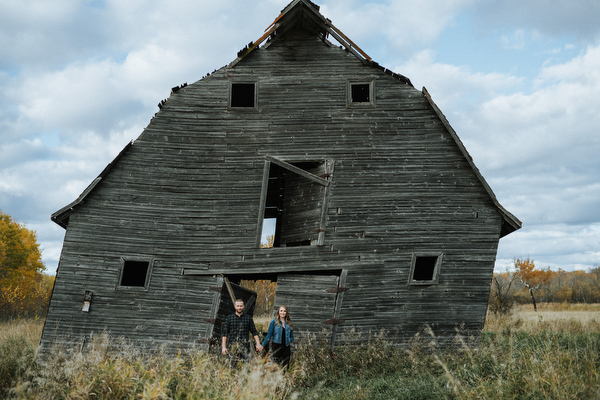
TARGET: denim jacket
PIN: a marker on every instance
(275, 332)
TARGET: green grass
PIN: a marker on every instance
(517, 359)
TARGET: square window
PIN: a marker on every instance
(135, 273)
(360, 93)
(242, 95)
(425, 269)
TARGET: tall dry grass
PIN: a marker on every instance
(515, 360)
(18, 342)
(518, 358)
(103, 373)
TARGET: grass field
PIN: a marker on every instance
(549, 312)
(551, 354)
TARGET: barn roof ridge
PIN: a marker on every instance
(307, 12)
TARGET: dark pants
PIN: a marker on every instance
(239, 352)
(280, 353)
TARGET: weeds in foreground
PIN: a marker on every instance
(100, 373)
(515, 359)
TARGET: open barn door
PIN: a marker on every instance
(314, 302)
(225, 296)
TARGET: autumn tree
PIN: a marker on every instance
(270, 242)
(532, 278)
(595, 278)
(265, 295)
(24, 289)
(587, 286)
(502, 295)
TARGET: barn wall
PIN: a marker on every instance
(187, 195)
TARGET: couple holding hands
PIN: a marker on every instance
(238, 325)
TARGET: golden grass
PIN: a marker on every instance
(31, 329)
(561, 317)
(552, 354)
(262, 322)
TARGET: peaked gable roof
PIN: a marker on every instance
(305, 15)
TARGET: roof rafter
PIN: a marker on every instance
(289, 16)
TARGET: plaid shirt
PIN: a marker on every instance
(236, 328)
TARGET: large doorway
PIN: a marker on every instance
(313, 299)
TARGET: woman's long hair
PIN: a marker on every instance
(288, 321)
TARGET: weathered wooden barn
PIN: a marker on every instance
(382, 220)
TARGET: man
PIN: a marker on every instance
(236, 329)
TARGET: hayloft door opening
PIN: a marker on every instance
(225, 294)
(293, 203)
(314, 301)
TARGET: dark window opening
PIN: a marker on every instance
(360, 93)
(293, 206)
(242, 95)
(424, 268)
(134, 273)
(298, 243)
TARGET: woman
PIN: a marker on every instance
(282, 333)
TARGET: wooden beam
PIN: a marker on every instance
(339, 35)
(298, 171)
(229, 289)
(338, 306)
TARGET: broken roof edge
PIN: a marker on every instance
(511, 222)
(271, 29)
(61, 217)
(327, 26)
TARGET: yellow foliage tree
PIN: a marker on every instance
(265, 295)
(531, 277)
(270, 241)
(24, 289)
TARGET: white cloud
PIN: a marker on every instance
(553, 245)
(575, 18)
(390, 25)
(581, 71)
(454, 87)
(554, 126)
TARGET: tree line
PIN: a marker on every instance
(24, 288)
(527, 283)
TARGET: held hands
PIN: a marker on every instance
(259, 348)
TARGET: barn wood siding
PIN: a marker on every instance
(188, 192)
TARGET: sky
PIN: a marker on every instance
(519, 81)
